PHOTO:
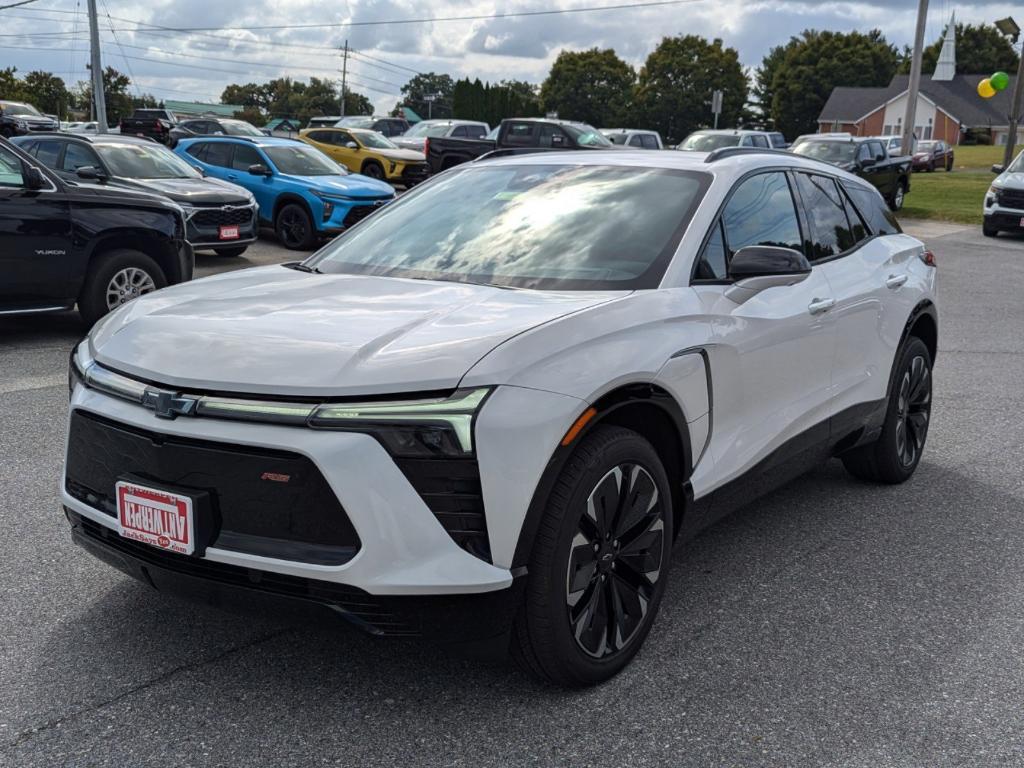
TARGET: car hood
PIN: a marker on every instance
(32, 120)
(204, 191)
(402, 155)
(352, 185)
(1009, 181)
(409, 143)
(278, 331)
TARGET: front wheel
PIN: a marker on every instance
(116, 278)
(988, 230)
(599, 563)
(294, 228)
(373, 170)
(895, 455)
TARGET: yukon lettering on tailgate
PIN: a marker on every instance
(51, 252)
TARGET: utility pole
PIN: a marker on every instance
(344, 75)
(99, 97)
(1009, 27)
(914, 86)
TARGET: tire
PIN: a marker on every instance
(558, 635)
(294, 228)
(237, 250)
(373, 169)
(893, 458)
(116, 278)
(896, 199)
(989, 231)
(949, 165)
(931, 167)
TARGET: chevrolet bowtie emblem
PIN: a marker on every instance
(169, 405)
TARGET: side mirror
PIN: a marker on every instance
(90, 173)
(200, 170)
(351, 145)
(259, 169)
(759, 267)
(867, 162)
(997, 168)
(33, 178)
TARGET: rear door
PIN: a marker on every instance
(36, 248)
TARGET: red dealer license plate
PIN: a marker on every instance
(229, 233)
(158, 518)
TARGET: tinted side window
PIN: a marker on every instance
(872, 207)
(76, 156)
(636, 140)
(830, 232)
(218, 153)
(198, 151)
(879, 150)
(864, 152)
(10, 169)
(475, 131)
(520, 134)
(552, 136)
(760, 141)
(324, 137)
(244, 157)
(650, 142)
(761, 212)
(48, 152)
(460, 132)
(712, 263)
(858, 226)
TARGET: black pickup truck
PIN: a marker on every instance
(862, 157)
(519, 133)
(63, 243)
(153, 124)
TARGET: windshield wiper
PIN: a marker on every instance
(298, 266)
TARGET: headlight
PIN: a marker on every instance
(22, 125)
(79, 361)
(441, 427)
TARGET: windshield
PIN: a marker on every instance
(549, 227)
(144, 161)
(587, 136)
(617, 138)
(240, 128)
(925, 146)
(374, 141)
(828, 151)
(706, 142)
(301, 160)
(434, 130)
(13, 108)
(355, 122)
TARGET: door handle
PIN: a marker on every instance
(895, 281)
(232, 176)
(817, 306)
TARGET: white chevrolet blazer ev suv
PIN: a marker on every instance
(484, 415)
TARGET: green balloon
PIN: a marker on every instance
(1000, 80)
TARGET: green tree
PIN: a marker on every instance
(673, 93)
(592, 86)
(10, 86)
(416, 91)
(115, 88)
(357, 104)
(763, 92)
(980, 50)
(815, 63)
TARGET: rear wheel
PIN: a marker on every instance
(294, 228)
(895, 455)
(599, 564)
(115, 279)
(931, 167)
(949, 165)
(237, 250)
(896, 199)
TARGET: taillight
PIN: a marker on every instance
(928, 258)
(159, 127)
(426, 147)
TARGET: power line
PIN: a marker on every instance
(17, 5)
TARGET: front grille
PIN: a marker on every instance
(1004, 220)
(217, 217)
(451, 490)
(356, 604)
(1011, 198)
(254, 510)
(359, 212)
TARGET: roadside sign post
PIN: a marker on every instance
(716, 105)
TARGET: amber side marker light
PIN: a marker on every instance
(578, 425)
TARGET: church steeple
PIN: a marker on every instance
(945, 69)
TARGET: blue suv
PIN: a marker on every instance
(301, 192)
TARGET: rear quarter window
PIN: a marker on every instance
(873, 209)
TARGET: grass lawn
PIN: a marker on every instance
(955, 196)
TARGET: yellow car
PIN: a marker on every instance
(369, 153)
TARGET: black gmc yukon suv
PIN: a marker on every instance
(64, 243)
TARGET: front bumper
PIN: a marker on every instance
(1003, 218)
(345, 214)
(204, 226)
(477, 623)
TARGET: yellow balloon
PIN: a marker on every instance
(985, 89)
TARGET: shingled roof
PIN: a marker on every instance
(959, 97)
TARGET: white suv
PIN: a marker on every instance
(484, 415)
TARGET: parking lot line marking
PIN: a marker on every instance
(26, 383)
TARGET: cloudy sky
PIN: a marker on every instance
(249, 40)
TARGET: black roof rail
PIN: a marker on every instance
(724, 152)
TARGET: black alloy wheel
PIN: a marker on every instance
(914, 406)
(373, 170)
(894, 456)
(295, 228)
(616, 560)
(599, 561)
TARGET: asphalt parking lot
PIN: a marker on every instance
(830, 624)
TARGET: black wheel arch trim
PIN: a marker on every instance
(925, 308)
(642, 393)
(286, 198)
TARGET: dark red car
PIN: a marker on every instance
(930, 155)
